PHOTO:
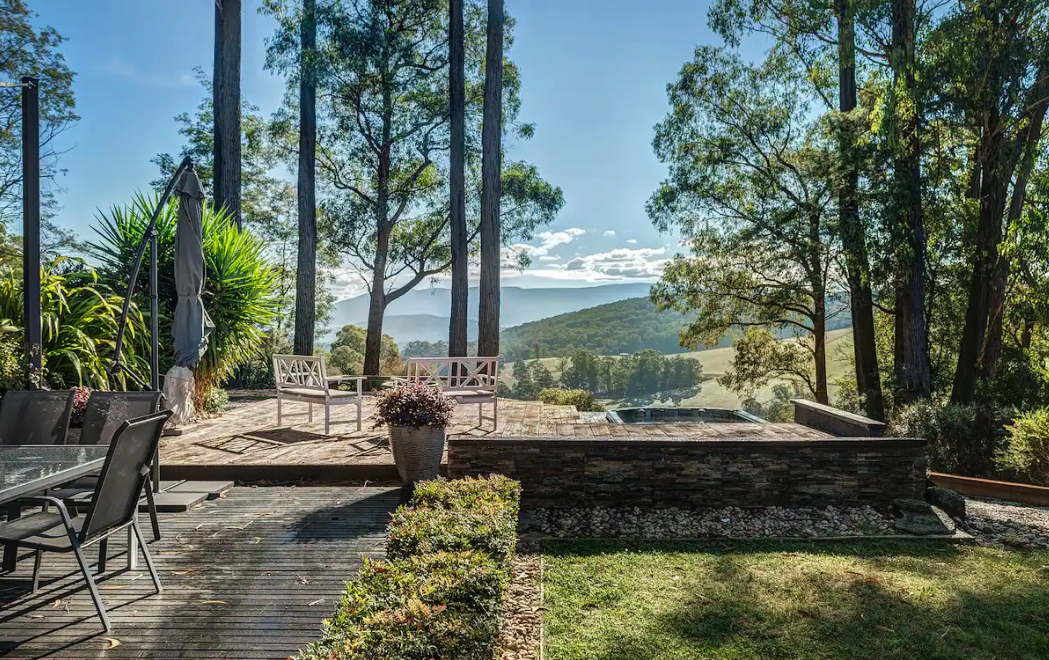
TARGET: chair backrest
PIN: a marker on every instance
(124, 474)
(106, 411)
(301, 372)
(456, 373)
(40, 417)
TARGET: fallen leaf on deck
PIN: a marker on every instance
(115, 586)
(303, 579)
(186, 572)
(113, 643)
(213, 602)
(318, 601)
(56, 603)
(256, 541)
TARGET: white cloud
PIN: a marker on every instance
(618, 264)
(632, 241)
(120, 68)
(610, 232)
(547, 257)
(548, 241)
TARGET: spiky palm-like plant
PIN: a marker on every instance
(239, 282)
(79, 323)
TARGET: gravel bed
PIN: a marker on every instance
(521, 630)
(1006, 524)
(728, 522)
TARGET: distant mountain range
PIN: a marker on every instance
(422, 314)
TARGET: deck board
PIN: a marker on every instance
(247, 576)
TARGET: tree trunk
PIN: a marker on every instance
(457, 339)
(819, 338)
(854, 234)
(1032, 120)
(226, 90)
(912, 369)
(306, 269)
(491, 188)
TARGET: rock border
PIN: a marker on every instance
(521, 630)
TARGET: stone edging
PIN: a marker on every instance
(754, 442)
(959, 537)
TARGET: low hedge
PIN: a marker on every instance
(439, 593)
(583, 400)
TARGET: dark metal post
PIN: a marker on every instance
(31, 227)
(154, 358)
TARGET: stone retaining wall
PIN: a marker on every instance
(584, 472)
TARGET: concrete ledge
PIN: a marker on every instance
(999, 490)
(750, 444)
(837, 422)
(282, 473)
(959, 537)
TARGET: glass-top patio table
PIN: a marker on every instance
(29, 469)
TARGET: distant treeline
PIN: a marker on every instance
(642, 374)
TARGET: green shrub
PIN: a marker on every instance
(467, 493)
(216, 400)
(440, 593)
(1027, 450)
(489, 528)
(443, 605)
(962, 439)
(583, 401)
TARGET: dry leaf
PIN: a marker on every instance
(873, 580)
(56, 603)
(213, 602)
(303, 579)
(113, 643)
(115, 586)
(319, 600)
(256, 541)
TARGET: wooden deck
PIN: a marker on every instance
(247, 576)
(248, 434)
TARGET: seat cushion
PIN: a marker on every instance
(39, 530)
(304, 392)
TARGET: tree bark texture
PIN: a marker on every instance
(854, 234)
(306, 269)
(457, 336)
(383, 229)
(912, 368)
(491, 187)
(226, 89)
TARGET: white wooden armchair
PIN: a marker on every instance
(304, 379)
(466, 379)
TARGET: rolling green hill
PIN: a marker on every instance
(626, 326)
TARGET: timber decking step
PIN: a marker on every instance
(174, 502)
(212, 488)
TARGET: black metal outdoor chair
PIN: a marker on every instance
(106, 411)
(40, 417)
(113, 507)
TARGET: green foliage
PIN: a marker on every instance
(12, 365)
(216, 400)
(32, 49)
(761, 358)
(583, 401)
(431, 606)
(79, 319)
(626, 326)
(962, 439)
(1026, 452)
(779, 409)
(239, 281)
(426, 601)
(347, 352)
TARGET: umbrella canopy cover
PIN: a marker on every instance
(191, 324)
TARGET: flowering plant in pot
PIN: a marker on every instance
(417, 415)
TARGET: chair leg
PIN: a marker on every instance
(480, 415)
(278, 409)
(37, 559)
(91, 586)
(327, 419)
(103, 555)
(495, 415)
(310, 418)
(146, 556)
(151, 504)
(358, 413)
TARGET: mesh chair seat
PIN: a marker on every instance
(41, 531)
(39, 417)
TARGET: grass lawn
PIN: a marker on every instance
(623, 601)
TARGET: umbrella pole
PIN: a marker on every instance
(154, 365)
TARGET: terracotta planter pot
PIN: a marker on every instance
(417, 452)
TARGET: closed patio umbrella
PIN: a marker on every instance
(191, 324)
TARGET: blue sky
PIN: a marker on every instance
(594, 83)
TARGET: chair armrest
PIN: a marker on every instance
(47, 499)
